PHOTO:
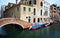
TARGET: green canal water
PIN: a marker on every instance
(52, 31)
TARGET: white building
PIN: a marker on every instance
(45, 10)
(42, 11)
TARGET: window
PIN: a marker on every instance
(41, 13)
(44, 19)
(29, 20)
(34, 20)
(34, 11)
(46, 13)
(30, 2)
(17, 8)
(54, 8)
(29, 9)
(45, 8)
(41, 4)
(41, 18)
(24, 8)
(38, 20)
(34, 1)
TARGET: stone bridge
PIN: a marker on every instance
(6, 21)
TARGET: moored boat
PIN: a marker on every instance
(36, 27)
(47, 24)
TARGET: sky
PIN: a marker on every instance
(5, 2)
(54, 2)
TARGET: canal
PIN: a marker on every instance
(52, 31)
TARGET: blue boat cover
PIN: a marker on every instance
(37, 25)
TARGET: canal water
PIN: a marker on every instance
(52, 31)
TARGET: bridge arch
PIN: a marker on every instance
(13, 24)
(22, 23)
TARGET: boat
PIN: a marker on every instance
(47, 24)
(36, 26)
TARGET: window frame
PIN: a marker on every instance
(38, 20)
(34, 20)
(34, 11)
(24, 8)
(29, 9)
(41, 12)
(41, 4)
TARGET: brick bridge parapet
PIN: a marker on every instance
(6, 21)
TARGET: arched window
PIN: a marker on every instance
(30, 2)
(41, 12)
(41, 3)
(34, 11)
(34, 20)
(24, 8)
(29, 9)
(38, 20)
(29, 20)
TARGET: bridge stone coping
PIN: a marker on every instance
(6, 21)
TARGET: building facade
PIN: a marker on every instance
(45, 10)
(58, 8)
(12, 12)
(53, 8)
(54, 12)
(31, 11)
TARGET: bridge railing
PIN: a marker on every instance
(12, 19)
